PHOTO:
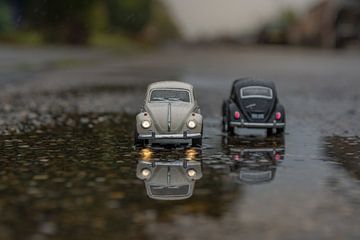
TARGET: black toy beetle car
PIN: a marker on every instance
(253, 104)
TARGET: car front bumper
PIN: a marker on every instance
(184, 135)
(244, 124)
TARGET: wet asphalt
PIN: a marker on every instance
(68, 168)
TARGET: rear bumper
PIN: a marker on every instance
(244, 124)
(184, 135)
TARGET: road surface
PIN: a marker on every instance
(68, 169)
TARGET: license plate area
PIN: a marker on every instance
(257, 116)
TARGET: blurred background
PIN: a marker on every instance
(321, 23)
(73, 74)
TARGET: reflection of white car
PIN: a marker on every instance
(170, 112)
(169, 180)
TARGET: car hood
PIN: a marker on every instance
(173, 114)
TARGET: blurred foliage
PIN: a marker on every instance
(288, 17)
(60, 20)
(276, 31)
(82, 21)
(129, 15)
(161, 26)
(5, 17)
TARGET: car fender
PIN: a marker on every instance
(232, 108)
(198, 119)
(281, 108)
(141, 117)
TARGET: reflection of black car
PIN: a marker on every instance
(169, 180)
(255, 162)
(256, 165)
(253, 104)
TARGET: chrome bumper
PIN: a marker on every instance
(170, 136)
(255, 150)
(244, 124)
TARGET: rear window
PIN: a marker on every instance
(161, 95)
(256, 92)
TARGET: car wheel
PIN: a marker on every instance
(269, 132)
(196, 142)
(231, 131)
(225, 113)
(225, 124)
(227, 128)
(138, 142)
(280, 131)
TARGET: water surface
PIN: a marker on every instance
(79, 180)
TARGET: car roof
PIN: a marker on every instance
(250, 81)
(170, 84)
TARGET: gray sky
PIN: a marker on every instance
(211, 18)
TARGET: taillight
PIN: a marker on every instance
(236, 157)
(237, 115)
(278, 116)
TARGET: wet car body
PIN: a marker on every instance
(169, 180)
(171, 113)
(253, 104)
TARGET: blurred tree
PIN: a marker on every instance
(288, 16)
(161, 26)
(62, 21)
(277, 31)
(129, 16)
(100, 16)
(6, 23)
(76, 22)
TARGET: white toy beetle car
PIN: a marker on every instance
(170, 115)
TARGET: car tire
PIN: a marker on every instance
(196, 142)
(231, 131)
(280, 131)
(138, 142)
(269, 132)
(227, 128)
(225, 125)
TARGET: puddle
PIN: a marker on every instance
(346, 152)
(82, 179)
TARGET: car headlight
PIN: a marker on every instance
(191, 173)
(146, 173)
(145, 124)
(191, 124)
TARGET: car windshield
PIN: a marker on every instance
(160, 95)
(256, 92)
(170, 190)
